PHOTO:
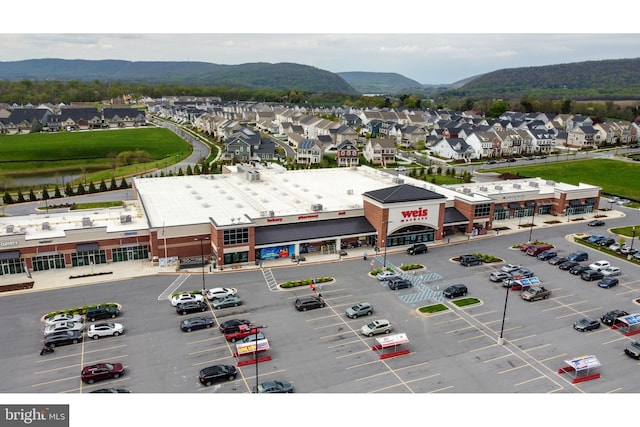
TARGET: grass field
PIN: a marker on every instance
(85, 152)
(614, 176)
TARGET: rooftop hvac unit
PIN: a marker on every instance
(350, 192)
(483, 188)
(534, 184)
(253, 175)
(9, 228)
(316, 207)
(552, 183)
(466, 190)
(125, 219)
(498, 187)
(397, 180)
(271, 214)
(46, 226)
(86, 221)
(517, 186)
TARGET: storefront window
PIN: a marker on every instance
(11, 266)
(89, 258)
(236, 257)
(48, 262)
(130, 253)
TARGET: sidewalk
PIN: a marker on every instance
(80, 276)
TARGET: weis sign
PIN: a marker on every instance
(414, 214)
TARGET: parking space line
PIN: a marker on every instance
(515, 368)
(531, 380)
(195, 353)
(555, 356)
(212, 361)
(461, 329)
(415, 365)
(535, 348)
(385, 388)
(621, 338)
(354, 353)
(441, 389)
(413, 380)
(523, 338)
(355, 341)
(206, 340)
(368, 377)
(483, 313)
(449, 321)
(615, 390)
(332, 325)
(59, 380)
(173, 286)
(360, 365)
(472, 338)
(493, 359)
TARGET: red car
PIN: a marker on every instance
(101, 371)
(243, 331)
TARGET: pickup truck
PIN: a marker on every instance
(534, 293)
(243, 331)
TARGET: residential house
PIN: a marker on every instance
(342, 133)
(583, 137)
(309, 152)
(347, 154)
(23, 121)
(380, 151)
(455, 149)
(123, 117)
(410, 136)
(577, 121)
(543, 140)
(488, 144)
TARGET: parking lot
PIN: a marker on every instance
(322, 351)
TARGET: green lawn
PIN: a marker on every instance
(614, 176)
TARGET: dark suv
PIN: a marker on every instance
(102, 312)
(468, 260)
(610, 317)
(578, 256)
(419, 248)
(455, 291)
(308, 303)
(396, 284)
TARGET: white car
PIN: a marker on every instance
(615, 246)
(187, 297)
(216, 293)
(381, 326)
(106, 329)
(499, 276)
(508, 268)
(63, 317)
(385, 275)
(599, 265)
(611, 271)
(63, 327)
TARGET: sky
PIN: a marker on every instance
(420, 43)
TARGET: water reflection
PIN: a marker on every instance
(29, 181)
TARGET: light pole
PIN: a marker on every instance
(201, 239)
(504, 314)
(386, 229)
(633, 236)
(532, 216)
(258, 328)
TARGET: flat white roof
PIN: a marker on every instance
(235, 198)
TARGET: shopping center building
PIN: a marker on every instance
(256, 212)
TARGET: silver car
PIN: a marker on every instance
(381, 326)
(360, 309)
(63, 327)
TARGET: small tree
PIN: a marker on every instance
(92, 188)
(32, 196)
(20, 197)
(189, 170)
(7, 199)
(103, 186)
(45, 193)
(81, 190)
(123, 184)
(69, 190)
(114, 185)
(57, 193)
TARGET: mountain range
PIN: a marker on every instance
(606, 79)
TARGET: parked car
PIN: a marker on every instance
(253, 337)
(101, 371)
(596, 223)
(590, 275)
(198, 322)
(386, 275)
(63, 326)
(611, 271)
(615, 247)
(233, 325)
(102, 312)
(418, 248)
(578, 269)
(110, 390)
(599, 265)
(216, 293)
(454, 291)
(468, 260)
(62, 338)
(547, 255)
(522, 272)
(498, 276)
(508, 268)
(557, 260)
(578, 256)
(191, 307)
(535, 250)
(228, 301)
(63, 317)
(185, 297)
(627, 250)
(596, 238)
(608, 282)
(568, 265)
(381, 326)
(633, 350)
(607, 242)
(396, 284)
(242, 332)
(308, 303)
(273, 387)
(106, 329)
(360, 309)
(586, 324)
(610, 317)
(211, 374)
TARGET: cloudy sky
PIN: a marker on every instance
(358, 41)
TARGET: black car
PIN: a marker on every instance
(596, 223)
(610, 317)
(578, 256)
(111, 390)
(590, 275)
(578, 269)
(198, 322)
(468, 260)
(308, 303)
(396, 284)
(233, 325)
(557, 260)
(455, 291)
(102, 312)
(419, 248)
(191, 307)
(62, 338)
(607, 242)
(214, 373)
(511, 159)
(568, 265)
(586, 324)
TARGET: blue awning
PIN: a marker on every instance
(575, 203)
(514, 205)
